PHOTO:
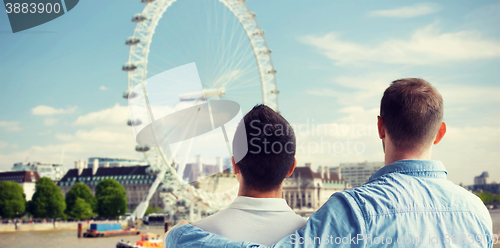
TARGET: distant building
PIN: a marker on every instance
(26, 179)
(115, 162)
(357, 174)
(305, 191)
(482, 183)
(199, 170)
(484, 178)
(134, 179)
(228, 164)
(52, 171)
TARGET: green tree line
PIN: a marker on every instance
(489, 198)
(48, 201)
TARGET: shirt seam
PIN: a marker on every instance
(406, 172)
(365, 216)
(422, 210)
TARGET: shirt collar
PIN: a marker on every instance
(413, 167)
(260, 204)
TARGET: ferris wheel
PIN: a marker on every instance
(234, 63)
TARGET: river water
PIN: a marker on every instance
(68, 238)
(63, 239)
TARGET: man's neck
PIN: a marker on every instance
(259, 194)
(393, 156)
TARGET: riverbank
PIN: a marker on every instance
(48, 226)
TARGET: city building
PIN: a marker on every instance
(305, 191)
(26, 179)
(52, 171)
(357, 174)
(199, 170)
(134, 179)
(137, 181)
(484, 178)
(482, 183)
(115, 162)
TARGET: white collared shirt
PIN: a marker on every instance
(259, 220)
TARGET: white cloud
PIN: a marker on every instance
(100, 134)
(367, 90)
(12, 126)
(406, 12)
(427, 45)
(117, 141)
(49, 121)
(47, 110)
(64, 137)
(364, 90)
(465, 151)
(468, 151)
(103, 88)
(116, 115)
(5, 144)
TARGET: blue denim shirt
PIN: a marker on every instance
(408, 203)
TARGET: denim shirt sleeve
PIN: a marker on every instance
(337, 222)
(190, 236)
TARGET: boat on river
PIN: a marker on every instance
(108, 230)
(147, 240)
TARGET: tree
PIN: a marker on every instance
(83, 192)
(81, 210)
(48, 201)
(111, 199)
(12, 201)
(152, 210)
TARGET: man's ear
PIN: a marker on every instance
(381, 127)
(236, 169)
(290, 172)
(441, 132)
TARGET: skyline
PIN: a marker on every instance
(62, 82)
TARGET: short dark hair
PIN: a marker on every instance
(412, 112)
(271, 149)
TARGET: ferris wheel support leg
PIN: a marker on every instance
(191, 212)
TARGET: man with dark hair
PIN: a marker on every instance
(407, 203)
(261, 162)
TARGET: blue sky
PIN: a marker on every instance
(62, 81)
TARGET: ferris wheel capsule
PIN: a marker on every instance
(271, 71)
(147, 1)
(258, 32)
(142, 148)
(181, 202)
(166, 189)
(129, 67)
(132, 41)
(153, 170)
(265, 51)
(136, 122)
(129, 95)
(250, 16)
(139, 18)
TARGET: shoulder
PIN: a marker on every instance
(297, 220)
(212, 223)
(475, 204)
